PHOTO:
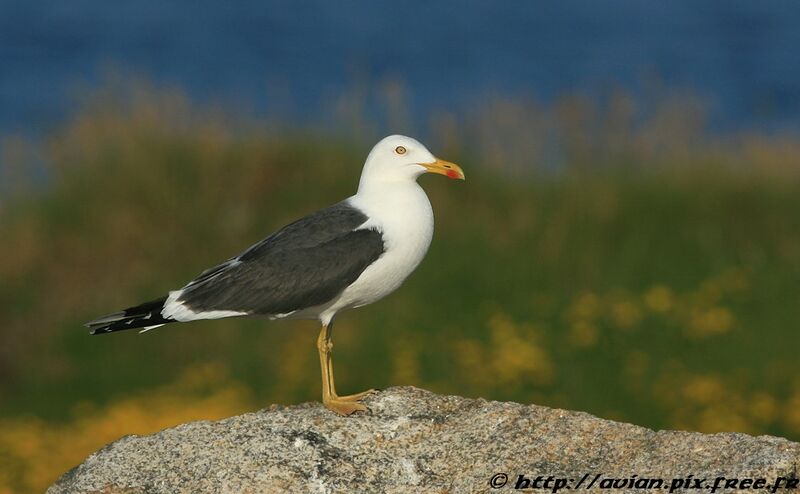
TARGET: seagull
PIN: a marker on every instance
(347, 255)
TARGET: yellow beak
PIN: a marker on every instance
(442, 167)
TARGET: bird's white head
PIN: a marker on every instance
(399, 158)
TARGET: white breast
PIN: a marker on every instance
(403, 214)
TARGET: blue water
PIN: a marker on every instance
(293, 57)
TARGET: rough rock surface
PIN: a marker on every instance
(416, 441)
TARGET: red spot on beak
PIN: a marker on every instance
(453, 174)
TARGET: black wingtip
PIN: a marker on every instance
(99, 330)
(108, 318)
(98, 327)
(143, 315)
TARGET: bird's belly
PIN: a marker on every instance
(378, 280)
(386, 274)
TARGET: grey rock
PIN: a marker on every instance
(416, 441)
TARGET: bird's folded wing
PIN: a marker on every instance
(305, 264)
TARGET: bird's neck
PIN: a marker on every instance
(370, 186)
(401, 199)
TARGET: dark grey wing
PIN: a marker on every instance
(305, 264)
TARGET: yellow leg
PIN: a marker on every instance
(343, 405)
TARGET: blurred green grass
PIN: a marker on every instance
(629, 265)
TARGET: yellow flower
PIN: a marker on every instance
(763, 408)
(716, 320)
(518, 355)
(625, 314)
(792, 412)
(586, 306)
(704, 389)
(659, 299)
(583, 334)
(405, 362)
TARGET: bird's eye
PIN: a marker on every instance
(400, 150)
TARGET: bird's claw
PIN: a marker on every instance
(357, 397)
(347, 405)
(343, 407)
